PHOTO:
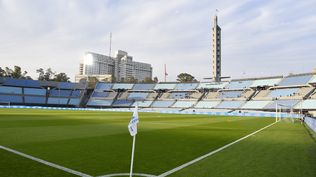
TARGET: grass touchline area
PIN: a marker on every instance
(98, 144)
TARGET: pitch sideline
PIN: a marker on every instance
(211, 153)
(127, 174)
(68, 170)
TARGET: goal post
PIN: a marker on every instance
(5, 103)
(283, 112)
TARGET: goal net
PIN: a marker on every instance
(284, 113)
(5, 103)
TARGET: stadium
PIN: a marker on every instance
(106, 127)
(65, 129)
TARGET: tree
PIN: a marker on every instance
(40, 74)
(14, 73)
(61, 77)
(185, 77)
(18, 74)
(47, 75)
(2, 72)
(156, 79)
(92, 81)
(148, 80)
(131, 79)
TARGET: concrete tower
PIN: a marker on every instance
(216, 34)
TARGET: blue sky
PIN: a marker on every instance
(259, 38)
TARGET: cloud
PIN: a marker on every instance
(260, 38)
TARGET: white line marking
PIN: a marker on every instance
(46, 162)
(127, 174)
(211, 153)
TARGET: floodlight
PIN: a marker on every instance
(88, 60)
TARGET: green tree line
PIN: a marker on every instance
(43, 75)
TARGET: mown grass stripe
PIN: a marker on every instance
(68, 170)
(211, 153)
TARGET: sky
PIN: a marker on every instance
(259, 37)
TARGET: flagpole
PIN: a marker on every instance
(132, 159)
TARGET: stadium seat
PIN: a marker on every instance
(265, 82)
(207, 104)
(295, 80)
(143, 86)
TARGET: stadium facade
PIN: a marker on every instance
(120, 67)
(293, 93)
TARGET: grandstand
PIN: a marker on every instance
(41, 93)
(261, 94)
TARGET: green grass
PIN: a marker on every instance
(98, 143)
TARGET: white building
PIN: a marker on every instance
(121, 66)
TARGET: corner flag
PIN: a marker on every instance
(132, 126)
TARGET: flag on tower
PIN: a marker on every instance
(132, 126)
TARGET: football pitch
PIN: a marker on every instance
(98, 144)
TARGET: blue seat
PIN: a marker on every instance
(103, 86)
(162, 104)
(186, 86)
(74, 101)
(21, 82)
(179, 95)
(60, 93)
(295, 80)
(282, 103)
(94, 102)
(66, 85)
(143, 86)
(283, 92)
(60, 101)
(35, 100)
(165, 86)
(122, 103)
(11, 99)
(122, 86)
(230, 94)
(76, 93)
(10, 90)
(34, 91)
(137, 96)
(230, 104)
(100, 94)
(239, 84)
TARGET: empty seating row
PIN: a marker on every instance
(186, 86)
(212, 85)
(234, 85)
(143, 86)
(137, 96)
(207, 104)
(306, 104)
(266, 82)
(142, 103)
(162, 104)
(183, 104)
(230, 104)
(295, 80)
(230, 94)
(162, 86)
(255, 104)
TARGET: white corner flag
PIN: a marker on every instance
(132, 128)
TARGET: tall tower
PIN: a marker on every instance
(216, 34)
